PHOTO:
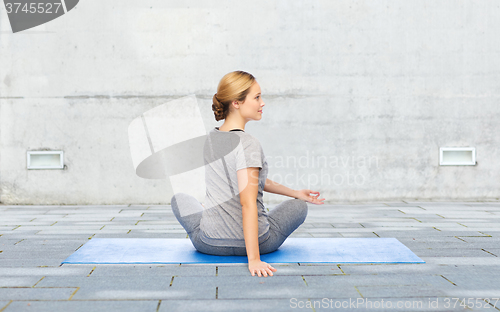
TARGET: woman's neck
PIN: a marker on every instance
(232, 124)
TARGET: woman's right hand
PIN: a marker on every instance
(305, 195)
(260, 267)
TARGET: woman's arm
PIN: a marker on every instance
(248, 188)
(276, 188)
(248, 185)
(304, 194)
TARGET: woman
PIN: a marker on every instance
(233, 220)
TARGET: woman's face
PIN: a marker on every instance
(251, 108)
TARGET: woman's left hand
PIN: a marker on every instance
(305, 195)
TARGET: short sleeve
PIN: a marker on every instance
(248, 153)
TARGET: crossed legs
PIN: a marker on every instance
(283, 219)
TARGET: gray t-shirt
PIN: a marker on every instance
(225, 152)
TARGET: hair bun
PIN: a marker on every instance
(217, 108)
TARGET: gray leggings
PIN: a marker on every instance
(283, 220)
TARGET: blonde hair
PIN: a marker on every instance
(233, 86)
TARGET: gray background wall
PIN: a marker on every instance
(377, 86)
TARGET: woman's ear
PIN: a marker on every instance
(235, 104)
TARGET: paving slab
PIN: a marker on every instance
(346, 225)
(140, 235)
(388, 291)
(133, 287)
(56, 236)
(19, 281)
(478, 281)
(167, 270)
(65, 270)
(451, 252)
(218, 305)
(277, 286)
(30, 293)
(417, 245)
(396, 268)
(84, 306)
(388, 279)
(434, 239)
(333, 234)
(285, 269)
(46, 262)
(493, 261)
(4, 305)
(481, 239)
(41, 254)
(354, 234)
(494, 251)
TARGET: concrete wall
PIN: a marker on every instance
(376, 87)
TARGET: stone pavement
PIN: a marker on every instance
(459, 241)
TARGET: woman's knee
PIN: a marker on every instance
(179, 197)
(173, 205)
(291, 212)
(184, 204)
(301, 207)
